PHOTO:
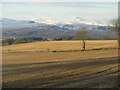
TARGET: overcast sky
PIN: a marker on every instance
(59, 0)
(25, 11)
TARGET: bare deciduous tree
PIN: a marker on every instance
(82, 34)
(116, 27)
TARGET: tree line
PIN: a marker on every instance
(11, 41)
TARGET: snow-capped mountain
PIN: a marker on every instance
(49, 28)
(46, 20)
(89, 21)
(75, 20)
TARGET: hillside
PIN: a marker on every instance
(27, 28)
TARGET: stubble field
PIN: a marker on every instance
(61, 64)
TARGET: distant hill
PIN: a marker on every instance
(22, 29)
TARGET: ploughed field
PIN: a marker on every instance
(61, 64)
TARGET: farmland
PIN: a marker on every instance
(61, 64)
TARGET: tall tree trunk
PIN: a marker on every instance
(118, 39)
(84, 45)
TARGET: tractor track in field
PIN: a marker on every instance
(74, 74)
